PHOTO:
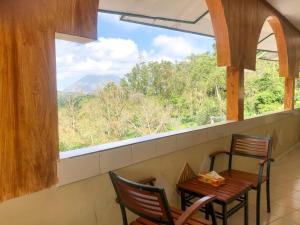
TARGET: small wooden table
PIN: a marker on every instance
(232, 191)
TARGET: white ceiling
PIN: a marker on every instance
(288, 8)
(203, 26)
(195, 17)
(157, 8)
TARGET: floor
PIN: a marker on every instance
(285, 195)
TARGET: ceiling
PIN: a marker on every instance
(289, 9)
(194, 19)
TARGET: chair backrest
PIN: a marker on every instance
(145, 201)
(250, 146)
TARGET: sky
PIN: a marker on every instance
(120, 46)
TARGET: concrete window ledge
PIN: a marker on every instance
(84, 163)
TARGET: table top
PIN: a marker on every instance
(228, 192)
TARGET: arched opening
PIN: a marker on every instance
(297, 93)
(265, 87)
(146, 75)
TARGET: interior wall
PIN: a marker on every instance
(92, 201)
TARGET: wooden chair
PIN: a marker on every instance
(150, 203)
(254, 147)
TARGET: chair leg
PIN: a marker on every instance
(258, 206)
(124, 216)
(182, 200)
(246, 210)
(212, 213)
(206, 212)
(268, 196)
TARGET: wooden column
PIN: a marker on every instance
(289, 93)
(235, 94)
(28, 111)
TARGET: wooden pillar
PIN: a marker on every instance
(235, 94)
(28, 111)
(289, 93)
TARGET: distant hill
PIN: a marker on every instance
(91, 83)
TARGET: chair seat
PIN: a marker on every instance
(243, 176)
(176, 213)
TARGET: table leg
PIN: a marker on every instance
(225, 216)
(183, 204)
(246, 208)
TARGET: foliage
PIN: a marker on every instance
(297, 94)
(264, 89)
(162, 96)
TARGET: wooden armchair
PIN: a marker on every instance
(150, 203)
(254, 147)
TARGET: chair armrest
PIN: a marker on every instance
(263, 162)
(218, 153)
(213, 156)
(261, 170)
(193, 209)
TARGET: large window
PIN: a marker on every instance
(297, 93)
(264, 89)
(134, 81)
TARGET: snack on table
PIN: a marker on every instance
(212, 178)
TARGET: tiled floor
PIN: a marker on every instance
(285, 195)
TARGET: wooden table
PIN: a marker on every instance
(232, 191)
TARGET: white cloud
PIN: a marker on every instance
(107, 56)
(172, 48)
(115, 56)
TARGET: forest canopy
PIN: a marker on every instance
(156, 97)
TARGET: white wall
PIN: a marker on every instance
(85, 194)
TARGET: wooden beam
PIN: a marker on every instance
(289, 93)
(281, 43)
(235, 94)
(237, 26)
(219, 24)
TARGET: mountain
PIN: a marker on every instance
(90, 83)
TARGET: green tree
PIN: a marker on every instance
(157, 97)
(264, 89)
